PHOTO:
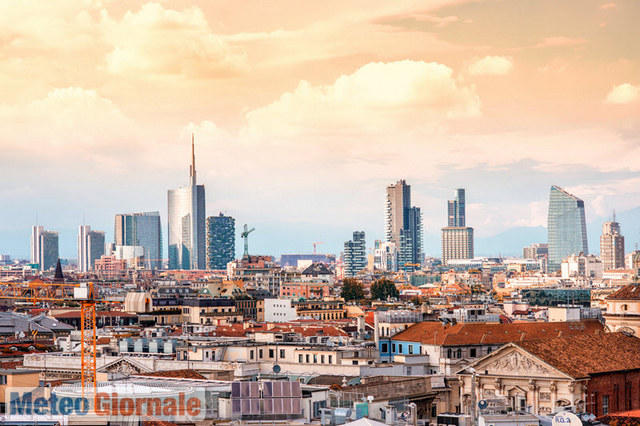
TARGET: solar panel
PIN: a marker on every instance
(235, 390)
(266, 399)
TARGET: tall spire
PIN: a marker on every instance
(193, 161)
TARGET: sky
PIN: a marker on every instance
(304, 111)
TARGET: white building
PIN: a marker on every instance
(90, 247)
(582, 266)
(279, 310)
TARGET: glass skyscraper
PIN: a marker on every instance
(403, 226)
(457, 237)
(355, 255)
(456, 209)
(142, 230)
(221, 241)
(567, 228)
(187, 245)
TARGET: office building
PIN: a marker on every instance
(35, 243)
(90, 247)
(457, 238)
(567, 228)
(187, 245)
(221, 241)
(535, 251)
(48, 246)
(403, 227)
(140, 230)
(456, 210)
(611, 246)
(355, 255)
(457, 243)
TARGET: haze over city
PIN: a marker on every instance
(304, 112)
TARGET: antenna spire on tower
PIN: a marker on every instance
(193, 161)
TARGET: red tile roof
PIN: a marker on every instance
(585, 355)
(431, 332)
(629, 292)
(178, 374)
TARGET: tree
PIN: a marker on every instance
(383, 289)
(352, 289)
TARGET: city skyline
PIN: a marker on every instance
(539, 105)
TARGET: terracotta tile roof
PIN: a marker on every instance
(76, 314)
(581, 356)
(629, 292)
(178, 374)
(432, 332)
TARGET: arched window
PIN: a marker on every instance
(459, 353)
(449, 353)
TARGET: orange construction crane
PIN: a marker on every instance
(83, 293)
(314, 246)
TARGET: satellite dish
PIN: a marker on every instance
(277, 369)
(566, 418)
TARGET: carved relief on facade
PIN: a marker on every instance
(515, 363)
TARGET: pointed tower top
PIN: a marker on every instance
(58, 277)
(193, 161)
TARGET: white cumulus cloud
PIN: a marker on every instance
(378, 97)
(490, 65)
(170, 42)
(623, 94)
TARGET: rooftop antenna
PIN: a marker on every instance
(614, 215)
(192, 168)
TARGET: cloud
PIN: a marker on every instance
(623, 94)
(607, 6)
(170, 42)
(560, 41)
(377, 97)
(490, 65)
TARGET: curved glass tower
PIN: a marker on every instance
(567, 228)
(187, 245)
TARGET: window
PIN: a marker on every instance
(260, 353)
(459, 353)
(330, 359)
(408, 371)
(410, 349)
(472, 352)
(489, 350)
(605, 404)
(251, 354)
(3, 380)
(354, 362)
(399, 348)
(300, 358)
(281, 353)
(393, 347)
(315, 358)
(307, 358)
(271, 353)
(321, 359)
(449, 353)
(384, 348)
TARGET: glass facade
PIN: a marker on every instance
(403, 226)
(48, 250)
(557, 296)
(567, 228)
(187, 248)
(355, 255)
(221, 241)
(456, 210)
(144, 230)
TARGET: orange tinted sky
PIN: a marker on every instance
(303, 111)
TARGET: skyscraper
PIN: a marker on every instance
(187, 245)
(90, 247)
(567, 228)
(221, 241)
(456, 209)
(35, 243)
(141, 230)
(457, 238)
(611, 246)
(355, 255)
(48, 246)
(403, 226)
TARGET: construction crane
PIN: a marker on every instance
(83, 293)
(314, 246)
(245, 235)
